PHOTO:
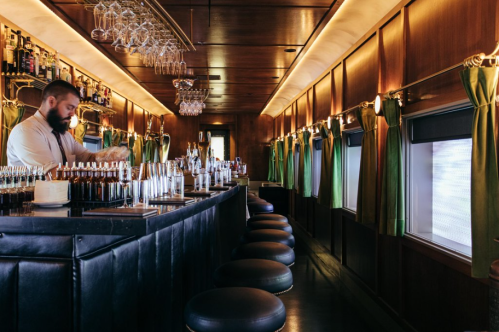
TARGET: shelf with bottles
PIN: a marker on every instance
(26, 78)
(91, 106)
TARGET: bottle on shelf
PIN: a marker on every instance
(36, 61)
(10, 55)
(6, 46)
(110, 99)
(28, 56)
(57, 66)
(19, 54)
(49, 70)
(43, 65)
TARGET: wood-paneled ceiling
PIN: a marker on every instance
(242, 42)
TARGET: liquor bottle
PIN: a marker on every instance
(18, 186)
(72, 179)
(57, 63)
(52, 67)
(109, 185)
(58, 172)
(89, 188)
(101, 188)
(6, 42)
(19, 54)
(43, 65)
(96, 182)
(89, 91)
(10, 55)
(82, 181)
(36, 61)
(66, 172)
(119, 189)
(28, 56)
(110, 99)
(48, 74)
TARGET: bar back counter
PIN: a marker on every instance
(78, 273)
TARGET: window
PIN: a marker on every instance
(316, 165)
(92, 143)
(439, 173)
(297, 164)
(217, 144)
(351, 168)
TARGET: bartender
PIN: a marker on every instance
(43, 139)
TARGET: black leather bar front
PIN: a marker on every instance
(52, 280)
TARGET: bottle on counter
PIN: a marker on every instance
(58, 172)
(89, 184)
(109, 185)
(72, 180)
(96, 182)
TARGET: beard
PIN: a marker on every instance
(56, 121)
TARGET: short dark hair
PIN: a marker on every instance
(59, 88)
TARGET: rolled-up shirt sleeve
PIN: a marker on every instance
(30, 146)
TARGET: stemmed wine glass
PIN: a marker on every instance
(99, 33)
(125, 177)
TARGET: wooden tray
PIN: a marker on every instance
(171, 200)
(128, 212)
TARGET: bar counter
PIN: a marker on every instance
(70, 272)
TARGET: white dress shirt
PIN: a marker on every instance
(32, 143)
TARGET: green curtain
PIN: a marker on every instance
(12, 115)
(305, 170)
(81, 131)
(480, 85)
(117, 137)
(276, 162)
(289, 170)
(271, 176)
(280, 163)
(150, 151)
(366, 195)
(131, 156)
(336, 189)
(138, 149)
(108, 138)
(392, 212)
(324, 197)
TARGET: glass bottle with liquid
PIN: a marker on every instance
(89, 184)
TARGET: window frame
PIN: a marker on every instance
(445, 246)
(344, 171)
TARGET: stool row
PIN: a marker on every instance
(247, 287)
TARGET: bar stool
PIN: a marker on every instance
(232, 309)
(265, 250)
(268, 216)
(260, 207)
(269, 235)
(270, 224)
(270, 276)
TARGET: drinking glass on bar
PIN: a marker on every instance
(125, 176)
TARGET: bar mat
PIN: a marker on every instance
(190, 193)
(128, 212)
(171, 200)
(219, 188)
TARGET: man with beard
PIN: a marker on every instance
(43, 139)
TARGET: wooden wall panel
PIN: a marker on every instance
(337, 89)
(138, 120)
(217, 119)
(301, 111)
(361, 74)
(388, 270)
(288, 113)
(254, 133)
(30, 96)
(130, 117)
(438, 298)
(182, 129)
(293, 117)
(322, 99)
(438, 39)
(392, 55)
(310, 107)
(119, 120)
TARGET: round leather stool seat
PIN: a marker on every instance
(273, 277)
(269, 235)
(255, 199)
(265, 250)
(232, 309)
(270, 224)
(268, 216)
(260, 207)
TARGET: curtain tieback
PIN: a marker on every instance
(8, 128)
(373, 129)
(396, 125)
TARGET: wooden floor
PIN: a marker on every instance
(315, 305)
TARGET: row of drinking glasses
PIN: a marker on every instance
(135, 30)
